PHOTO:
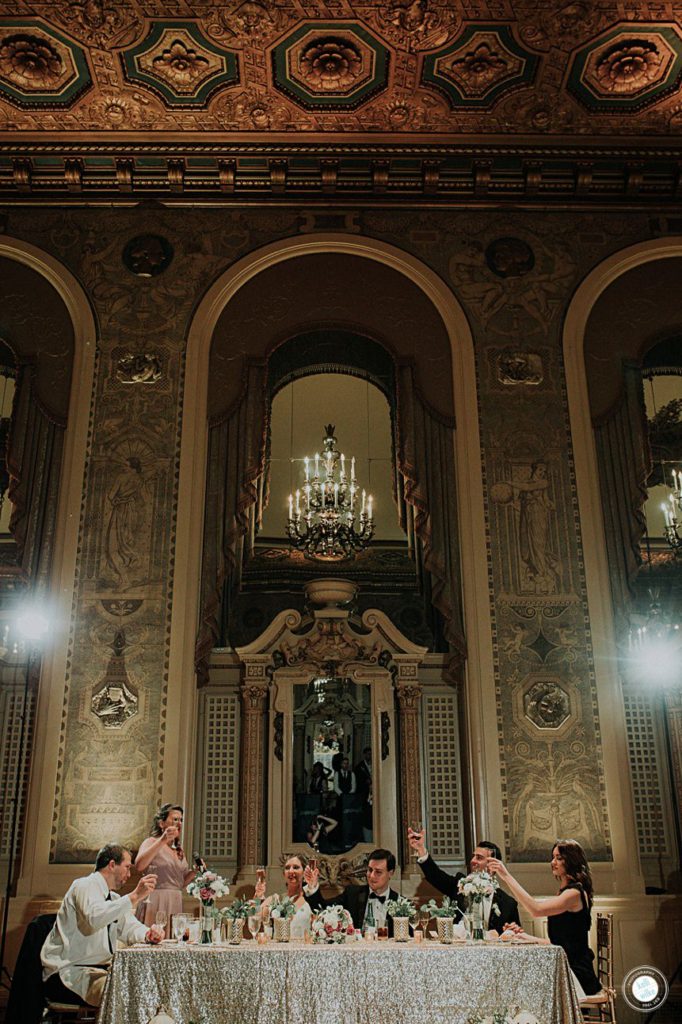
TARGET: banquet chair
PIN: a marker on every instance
(28, 1002)
(601, 1008)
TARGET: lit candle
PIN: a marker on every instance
(307, 496)
(307, 469)
(352, 469)
(336, 495)
(317, 463)
(343, 465)
(666, 513)
(353, 489)
(291, 506)
(322, 486)
(369, 507)
(298, 502)
(362, 510)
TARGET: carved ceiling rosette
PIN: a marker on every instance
(39, 66)
(628, 68)
(479, 66)
(330, 64)
(180, 64)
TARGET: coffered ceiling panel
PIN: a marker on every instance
(454, 100)
(474, 67)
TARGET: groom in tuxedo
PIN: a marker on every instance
(356, 898)
(499, 911)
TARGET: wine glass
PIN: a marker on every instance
(161, 920)
(179, 925)
(424, 918)
(254, 925)
(151, 870)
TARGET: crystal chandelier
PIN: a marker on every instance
(655, 644)
(322, 513)
(672, 513)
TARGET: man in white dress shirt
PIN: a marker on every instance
(91, 920)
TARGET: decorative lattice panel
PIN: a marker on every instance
(646, 782)
(11, 710)
(220, 765)
(445, 835)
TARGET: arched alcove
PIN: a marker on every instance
(242, 306)
(48, 325)
(624, 308)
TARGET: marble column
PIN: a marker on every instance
(252, 818)
(409, 696)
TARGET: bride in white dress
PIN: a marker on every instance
(293, 877)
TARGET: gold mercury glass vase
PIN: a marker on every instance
(281, 929)
(401, 929)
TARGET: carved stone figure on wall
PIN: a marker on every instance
(126, 498)
(530, 499)
(535, 507)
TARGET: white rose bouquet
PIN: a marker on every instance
(477, 885)
(332, 925)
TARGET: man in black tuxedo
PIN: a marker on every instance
(355, 898)
(500, 911)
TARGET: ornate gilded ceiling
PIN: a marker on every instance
(407, 74)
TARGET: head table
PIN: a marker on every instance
(359, 982)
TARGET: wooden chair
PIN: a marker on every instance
(601, 1008)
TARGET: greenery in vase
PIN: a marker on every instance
(448, 908)
(240, 909)
(402, 907)
(283, 906)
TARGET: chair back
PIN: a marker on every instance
(605, 950)
(26, 1001)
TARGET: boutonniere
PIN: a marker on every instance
(495, 909)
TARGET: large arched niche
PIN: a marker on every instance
(238, 297)
(278, 311)
(48, 324)
(623, 307)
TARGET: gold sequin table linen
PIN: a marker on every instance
(362, 983)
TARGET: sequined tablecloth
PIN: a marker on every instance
(378, 983)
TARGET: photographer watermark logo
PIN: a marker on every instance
(645, 988)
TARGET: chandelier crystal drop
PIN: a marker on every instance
(672, 513)
(322, 513)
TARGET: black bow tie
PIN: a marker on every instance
(373, 896)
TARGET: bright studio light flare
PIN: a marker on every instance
(32, 624)
(659, 657)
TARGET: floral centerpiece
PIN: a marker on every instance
(282, 911)
(402, 910)
(207, 887)
(332, 925)
(240, 909)
(448, 908)
(473, 888)
(445, 915)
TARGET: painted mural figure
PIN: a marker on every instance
(535, 507)
(126, 499)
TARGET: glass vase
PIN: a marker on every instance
(281, 929)
(475, 919)
(206, 924)
(446, 929)
(401, 929)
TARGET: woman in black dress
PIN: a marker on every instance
(568, 913)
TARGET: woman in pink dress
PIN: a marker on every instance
(162, 855)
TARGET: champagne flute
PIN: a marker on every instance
(416, 827)
(254, 925)
(151, 870)
(161, 921)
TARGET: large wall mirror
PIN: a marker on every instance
(332, 764)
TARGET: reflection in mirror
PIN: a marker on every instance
(332, 764)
